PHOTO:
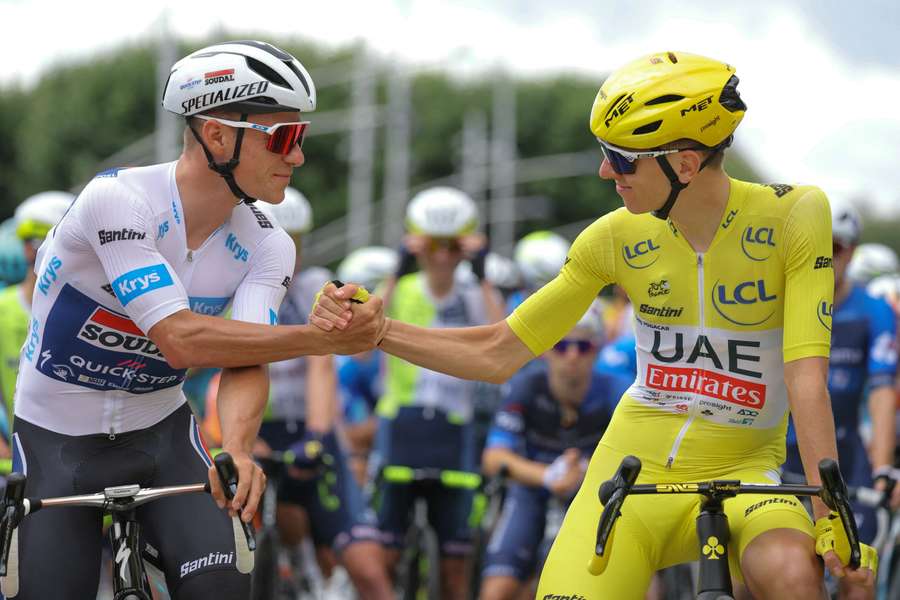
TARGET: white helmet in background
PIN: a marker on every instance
(871, 260)
(249, 76)
(39, 213)
(502, 272)
(294, 213)
(592, 321)
(540, 255)
(368, 266)
(442, 212)
(846, 224)
(887, 287)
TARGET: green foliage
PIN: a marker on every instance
(57, 134)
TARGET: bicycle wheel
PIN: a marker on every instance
(264, 577)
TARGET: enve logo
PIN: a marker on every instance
(744, 293)
(752, 239)
(633, 255)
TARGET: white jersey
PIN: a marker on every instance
(287, 394)
(117, 264)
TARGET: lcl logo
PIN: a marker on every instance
(745, 293)
(634, 255)
(757, 243)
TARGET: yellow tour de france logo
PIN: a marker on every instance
(713, 549)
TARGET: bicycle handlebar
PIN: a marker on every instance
(613, 492)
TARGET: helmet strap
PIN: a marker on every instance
(226, 169)
(677, 186)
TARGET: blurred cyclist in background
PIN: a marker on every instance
(539, 255)
(424, 416)
(870, 261)
(359, 374)
(33, 219)
(863, 358)
(545, 432)
(12, 254)
(301, 416)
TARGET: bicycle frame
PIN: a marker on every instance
(712, 524)
(129, 578)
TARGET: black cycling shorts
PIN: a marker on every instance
(59, 548)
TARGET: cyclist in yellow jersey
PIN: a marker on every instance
(732, 288)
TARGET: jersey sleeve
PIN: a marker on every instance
(809, 278)
(258, 297)
(882, 366)
(119, 226)
(508, 429)
(551, 312)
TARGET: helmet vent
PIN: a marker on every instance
(267, 72)
(664, 99)
(648, 128)
(730, 98)
(673, 58)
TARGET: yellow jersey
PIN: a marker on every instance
(713, 329)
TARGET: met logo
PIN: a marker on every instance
(634, 255)
(238, 251)
(758, 241)
(138, 282)
(743, 294)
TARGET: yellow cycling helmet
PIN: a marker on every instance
(669, 96)
(662, 98)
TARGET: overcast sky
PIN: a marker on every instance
(821, 77)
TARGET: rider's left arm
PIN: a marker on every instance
(243, 392)
(807, 386)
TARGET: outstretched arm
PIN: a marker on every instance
(490, 353)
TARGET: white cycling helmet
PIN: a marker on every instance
(540, 255)
(249, 76)
(502, 272)
(592, 321)
(442, 212)
(39, 213)
(887, 287)
(368, 266)
(846, 224)
(294, 213)
(871, 260)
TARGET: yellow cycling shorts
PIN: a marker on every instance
(654, 531)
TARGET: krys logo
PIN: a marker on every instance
(134, 284)
(640, 255)
(106, 330)
(824, 311)
(757, 243)
(238, 251)
(726, 299)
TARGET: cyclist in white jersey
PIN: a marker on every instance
(128, 284)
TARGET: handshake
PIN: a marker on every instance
(353, 318)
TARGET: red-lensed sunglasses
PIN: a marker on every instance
(282, 136)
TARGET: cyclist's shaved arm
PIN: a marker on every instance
(321, 393)
(189, 339)
(490, 353)
(807, 386)
(241, 402)
(882, 410)
(522, 470)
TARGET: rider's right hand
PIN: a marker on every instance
(353, 327)
(251, 484)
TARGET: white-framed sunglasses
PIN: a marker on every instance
(282, 136)
(622, 161)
